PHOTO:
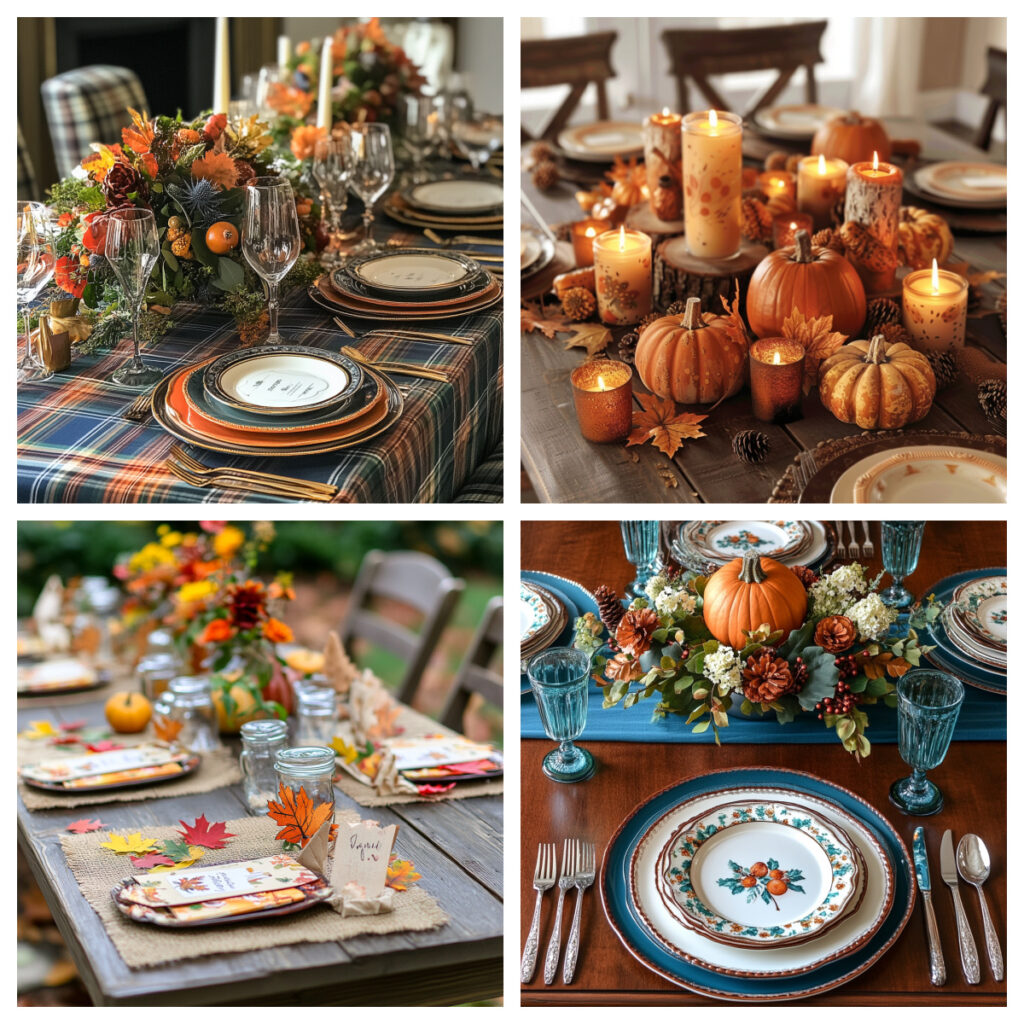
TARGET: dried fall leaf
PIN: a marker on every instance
(592, 337)
(297, 815)
(660, 424)
(152, 860)
(818, 339)
(533, 317)
(133, 843)
(78, 723)
(102, 746)
(733, 319)
(204, 833)
(386, 721)
(166, 728)
(401, 873)
(39, 730)
(879, 665)
(622, 668)
(83, 825)
(430, 789)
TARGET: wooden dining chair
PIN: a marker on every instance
(696, 54)
(476, 674)
(576, 61)
(27, 185)
(995, 89)
(412, 579)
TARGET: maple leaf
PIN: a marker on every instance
(401, 873)
(203, 833)
(733, 319)
(133, 843)
(195, 884)
(78, 723)
(176, 849)
(39, 730)
(386, 717)
(297, 814)
(64, 741)
(179, 853)
(152, 860)
(103, 745)
(83, 825)
(349, 752)
(660, 424)
(429, 789)
(166, 729)
(533, 317)
(818, 339)
(593, 337)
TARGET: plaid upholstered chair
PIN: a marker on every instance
(481, 671)
(27, 187)
(88, 105)
(485, 483)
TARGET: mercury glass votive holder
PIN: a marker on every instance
(560, 679)
(777, 379)
(602, 391)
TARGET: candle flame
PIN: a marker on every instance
(778, 359)
(622, 238)
(935, 277)
(600, 383)
(665, 111)
(713, 119)
(590, 233)
(821, 164)
(874, 162)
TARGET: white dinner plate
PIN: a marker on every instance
(933, 474)
(982, 605)
(282, 381)
(969, 646)
(457, 195)
(730, 539)
(411, 271)
(963, 180)
(602, 141)
(534, 614)
(794, 121)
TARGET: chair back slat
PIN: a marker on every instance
(995, 89)
(476, 674)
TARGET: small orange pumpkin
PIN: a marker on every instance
(923, 236)
(815, 280)
(749, 592)
(692, 359)
(852, 138)
(128, 712)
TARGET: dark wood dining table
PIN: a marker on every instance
(456, 846)
(972, 778)
(562, 467)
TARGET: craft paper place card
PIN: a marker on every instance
(66, 769)
(443, 752)
(362, 855)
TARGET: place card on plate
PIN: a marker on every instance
(362, 855)
(442, 755)
(67, 769)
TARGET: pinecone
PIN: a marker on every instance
(755, 220)
(545, 175)
(610, 608)
(829, 238)
(677, 308)
(578, 303)
(835, 634)
(646, 321)
(1001, 310)
(808, 577)
(882, 311)
(245, 171)
(751, 446)
(627, 347)
(636, 631)
(894, 333)
(541, 152)
(766, 678)
(122, 179)
(992, 399)
(946, 368)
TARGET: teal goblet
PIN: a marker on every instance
(560, 678)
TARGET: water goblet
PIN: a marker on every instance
(271, 241)
(132, 248)
(420, 129)
(332, 171)
(271, 80)
(928, 705)
(373, 170)
(640, 541)
(37, 261)
(560, 677)
(901, 548)
(477, 137)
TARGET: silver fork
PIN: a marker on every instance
(543, 879)
(869, 545)
(566, 881)
(840, 543)
(854, 546)
(586, 868)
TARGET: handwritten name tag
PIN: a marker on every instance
(361, 856)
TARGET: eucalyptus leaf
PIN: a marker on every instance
(702, 726)
(822, 676)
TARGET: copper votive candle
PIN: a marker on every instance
(820, 185)
(777, 183)
(603, 393)
(786, 225)
(583, 234)
(777, 379)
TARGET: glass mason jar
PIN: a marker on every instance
(262, 741)
(189, 702)
(156, 672)
(310, 769)
(316, 716)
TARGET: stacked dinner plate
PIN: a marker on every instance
(468, 204)
(408, 284)
(964, 184)
(536, 251)
(279, 400)
(542, 617)
(602, 141)
(757, 884)
(794, 121)
(704, 545)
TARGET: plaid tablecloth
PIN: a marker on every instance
(74, 445)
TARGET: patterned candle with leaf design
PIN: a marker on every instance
(622, 273)
(712, 182)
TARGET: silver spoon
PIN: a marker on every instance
(972, 860)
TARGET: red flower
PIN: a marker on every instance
(247, 602)
(95, 237)
(215, 125)
(70, 276)
(64, 220)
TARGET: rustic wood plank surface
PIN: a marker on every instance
(563, 467)
(972, 777)
(456, 846)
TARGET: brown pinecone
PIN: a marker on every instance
(578, 303)
(946, 368)
(992, 399)
(755, 220)
(835, 634)
(766, 678)
(627, 347)
(751, 446)
(245, 173)
(121, 180)
(808, 577)
(677, 308)
(610, 608)
(882, 311)
(894, 333)
(646, 321)
(545, 175)
(829, 238)
(541, 152)
(636, 630)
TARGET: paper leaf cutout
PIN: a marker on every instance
(152, 860)
(297, 815)
(349, 752)
(133, 843)
(64, 741)
(203, 833)
(533, 317)
(179, 853)
(102, 745)
(39, 730)
(401, 873)
(74, 726)
(83, 825)
(818, 339)
(660, 424)
(166, 729)
(386, 721)
(592, 337)
(429, 789)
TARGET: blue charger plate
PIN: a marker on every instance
(572, 595)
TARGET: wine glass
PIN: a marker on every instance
(420, 130)
(270, 239)
(477, 136)
(332, 171)
(640, 541)
(560, 678)
(271, 77)
(901, 548)
(36, 263)
(373, 170)
(132, 248)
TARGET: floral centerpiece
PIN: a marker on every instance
(756, 637)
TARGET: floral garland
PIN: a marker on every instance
(842, 659)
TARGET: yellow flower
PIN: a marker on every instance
(228, 541)
(171, 540)
(150, 557)
(198, 591)
(162, 529)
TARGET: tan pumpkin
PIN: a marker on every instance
(876, 385)
(628, 192)
(923, 236)
(692, 359)
(750, 592)
(815, 280)
(852, 138)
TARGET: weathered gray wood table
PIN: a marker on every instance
(456, 846)
(563, 467)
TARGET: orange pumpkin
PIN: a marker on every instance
(852, 138)
(128, 712)
(750, 592)
(815, 280)
(692, 359)
(628, 192)
(923, 236)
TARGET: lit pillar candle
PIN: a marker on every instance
(712, 183)
(935, 308)
(622, 271)
(662, 161)
(284, 51)
(874, 191)
(777, 183)
(820, 187)
(602, 392)
(583, 234)
(221, 68)
(324, 117)
(785, 227)
(777, 379)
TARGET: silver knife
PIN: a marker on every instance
(968, 950)
(924, 883)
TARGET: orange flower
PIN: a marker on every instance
(277, 589)
(216, 632)
(139, 135)
(64, 220)
(101, 161)
(286, 99)
(149, 164)
(304, 140)
(217, 168)
(277, 632)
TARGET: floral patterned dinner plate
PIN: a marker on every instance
(534, 614)
(732, 539)
(982, 606)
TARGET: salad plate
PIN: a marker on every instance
(981, 604)
(457, 196)
(534, 613)
(969, 645)
(733, 539)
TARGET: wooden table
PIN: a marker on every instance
(973, 779)
(456, 846)
(563, 467)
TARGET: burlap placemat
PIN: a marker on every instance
(97, 871)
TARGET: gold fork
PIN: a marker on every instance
(400, 368)
(403, 332)
(183, 458)
(243, 484)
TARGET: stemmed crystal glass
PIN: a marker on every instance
(640, 542)
(36, 263)
(332, 171)
(270, 77)
(560, 678)
(420, 130)
(132, 248)
(270, 239)
(373, 170)
(901, 548)
(477, 136)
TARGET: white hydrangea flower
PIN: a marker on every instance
(655, 585)
(872, 617)
(674, 603)
(849, 579)
(723, 668)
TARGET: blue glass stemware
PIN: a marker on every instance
(901, 548)
(560, 678)
(640, 541)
